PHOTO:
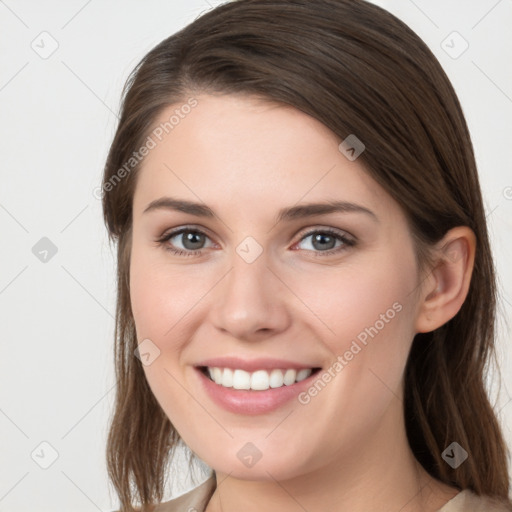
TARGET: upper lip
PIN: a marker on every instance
(251, 365)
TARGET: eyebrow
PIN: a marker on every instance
(287, 214)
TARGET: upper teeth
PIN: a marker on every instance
(259, 380)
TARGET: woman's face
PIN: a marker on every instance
(265, 285)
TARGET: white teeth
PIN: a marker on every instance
(289, 377)
(227, 378)
(276, 379)
(259, 380)
(217, 375)
(303, 374)
(241, 379)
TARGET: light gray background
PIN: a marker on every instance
(58, 116)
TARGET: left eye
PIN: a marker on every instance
(323, 241)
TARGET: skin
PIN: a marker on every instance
(347, 448)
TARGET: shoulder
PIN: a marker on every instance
(468, 501)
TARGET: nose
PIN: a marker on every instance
(250, 302)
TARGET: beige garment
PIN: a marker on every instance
(197, 499)
(467, 501)
(192, 501)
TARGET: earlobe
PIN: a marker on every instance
(446, 287)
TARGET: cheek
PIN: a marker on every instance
(368, 314)
(359, 302)
(365, 314)
(161, 295)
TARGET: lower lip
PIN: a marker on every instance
(252, 402)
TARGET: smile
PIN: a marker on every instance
(272, 388)
(260, 380)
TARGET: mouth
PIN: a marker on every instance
(259, 380)
(262, 387)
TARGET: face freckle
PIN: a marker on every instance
(248, 294)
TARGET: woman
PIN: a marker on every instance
(306, 294)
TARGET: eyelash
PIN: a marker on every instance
(347, 242)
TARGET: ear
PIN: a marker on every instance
(446, 286)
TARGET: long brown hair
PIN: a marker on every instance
(359, 70)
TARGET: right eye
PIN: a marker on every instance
(192, 240)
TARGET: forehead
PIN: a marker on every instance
(235, 149)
